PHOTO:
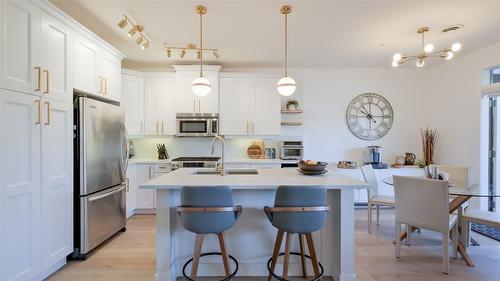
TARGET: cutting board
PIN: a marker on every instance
(256, 150)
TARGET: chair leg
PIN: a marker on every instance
(286, 259)
(408, 234)
(312, 253)
(446, 254)
(276, 251)
(302, 257)
(454, 234)
(465, 235)
(378, 215)
(223, 251)
(196, 255)
(398, 239)
(370, 217)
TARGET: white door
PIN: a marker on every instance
(133, 104)
(20, 186)
(145, 197)
(57, 81)
(160, 105)
(85, 66)
(19, 46)
(236, 104)
(266, 114)
(57, 181)
(111, 75)
(131, 197)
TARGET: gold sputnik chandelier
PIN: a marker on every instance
(141, 40)
(191, 47)
(426, 51)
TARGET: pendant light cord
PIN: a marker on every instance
(286, 44)
(201, 45)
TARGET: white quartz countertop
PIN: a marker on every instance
(266, 179)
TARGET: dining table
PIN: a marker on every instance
(460, 195)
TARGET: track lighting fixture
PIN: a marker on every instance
(141, 40)
(192, 47)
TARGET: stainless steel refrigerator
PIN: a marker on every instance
(99, 168)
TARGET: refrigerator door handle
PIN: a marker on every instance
(125, 150)
(92, 199)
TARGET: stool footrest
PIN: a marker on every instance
(227, 278)
(295, 254)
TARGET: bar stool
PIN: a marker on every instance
(297, 210)
(208, 210)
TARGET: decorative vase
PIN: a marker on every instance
(291, 107)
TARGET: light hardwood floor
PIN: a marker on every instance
(131, 256)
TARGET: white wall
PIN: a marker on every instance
(453, 94)
(325, 94)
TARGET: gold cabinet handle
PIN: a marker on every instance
(150, 170)
(157, 127)
(247, 127)
(194, 105)
(199, 106)
(162, 131)
(141, 128)
(100, 84)
(105, 92)
(38, 78)
(38, 111)
(47, 80)
(47, 122)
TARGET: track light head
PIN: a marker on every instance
(216, 55)
(183, 52)
(169, 52)
(123, 22)
(139, 40)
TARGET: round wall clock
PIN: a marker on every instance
(369, 116)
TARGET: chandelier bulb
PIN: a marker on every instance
(456, 47)
(395, 64)
(429, 48)
(449, 55)
(420, 63)
(397, 56)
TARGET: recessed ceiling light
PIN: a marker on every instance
(452, 28)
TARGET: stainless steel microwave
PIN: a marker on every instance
(197, 124)
(291, 150)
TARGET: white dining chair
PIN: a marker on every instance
(424, 203)
(480, 217)
(374, 199)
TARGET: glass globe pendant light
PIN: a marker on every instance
(201, 86)
(286, 86)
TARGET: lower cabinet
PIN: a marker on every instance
(36, 185)
(143, 200)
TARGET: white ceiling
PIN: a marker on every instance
(322, 33)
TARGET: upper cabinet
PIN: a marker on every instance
(36, 52)
(133, 103)
(249, 106)
(96, 71)
(186, 100)
(159, 97)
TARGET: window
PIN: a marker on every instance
(495, 75)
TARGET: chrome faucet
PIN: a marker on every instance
(222, 167)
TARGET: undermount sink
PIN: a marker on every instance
(228, 172)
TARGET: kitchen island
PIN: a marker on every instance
(251, 240)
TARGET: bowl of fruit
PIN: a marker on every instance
(312, 166)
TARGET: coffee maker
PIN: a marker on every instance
(373, 156)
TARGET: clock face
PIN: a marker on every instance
(369, 116)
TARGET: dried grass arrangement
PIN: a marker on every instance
(429, 142)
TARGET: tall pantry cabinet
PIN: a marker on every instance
(36, 139)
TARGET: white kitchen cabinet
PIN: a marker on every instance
(20, 186)
(159, 96)
(95, 70)
(57, 181)
(133, 104)
(186, 100)
(56, 59)
(131, 197)
(145, 197)
(111, 76)
(249, 106)
(19, 45)
(86, 66)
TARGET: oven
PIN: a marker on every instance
(291, 150)
(197, 124)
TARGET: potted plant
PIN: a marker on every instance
(292, 105)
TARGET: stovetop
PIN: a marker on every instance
(186, 159)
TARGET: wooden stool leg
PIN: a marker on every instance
(276, 251)
(302, 257)
(287, 254)
(312, 253)
(196, 255)
(223, 251)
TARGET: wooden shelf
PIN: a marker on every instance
(291, 123)
(292, 111)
